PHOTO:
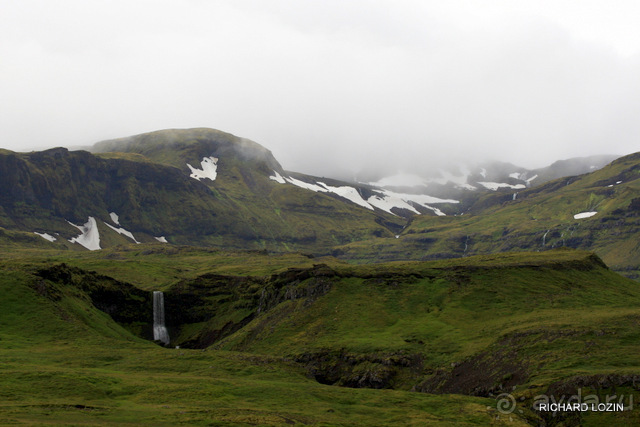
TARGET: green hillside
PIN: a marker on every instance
(538, 219)
(290, 338)
(525, 324)
(177, 147)
(148, 186)
(146, 181)
(279, 218)
(63, 361)
(286, 305)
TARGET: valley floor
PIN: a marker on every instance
(77, 383)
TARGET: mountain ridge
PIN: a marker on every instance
(277, 295)
(551, 215)
(207, 187)
(235, 204)
(189, 145)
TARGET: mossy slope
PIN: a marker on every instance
(63, 361)
(148, 185)
(520, 323)
(539, 218)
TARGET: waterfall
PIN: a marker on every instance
(515, 195)
(544, 238)
(159, 330)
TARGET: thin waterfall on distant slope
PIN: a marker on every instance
(544, 238)
(160, 332)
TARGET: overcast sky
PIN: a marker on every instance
(329, 86)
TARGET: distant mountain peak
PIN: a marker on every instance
(179, 147)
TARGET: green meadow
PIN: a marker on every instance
(322, 342)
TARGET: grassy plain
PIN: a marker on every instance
(522, 323)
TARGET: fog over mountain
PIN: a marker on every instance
(331, 88)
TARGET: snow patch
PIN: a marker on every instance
(348, 193)
(46, 236)
(89, 237)
(495, 185)
(459, 179)
(532, 178)
(277, 178)
(209, 169)
(515, 175)
(384, 199)
(161, 239)
(483, 172)
(422, 199)
(435, 210)
(391, 200)
(388, 202)
(582, 215)
(114, 218)
(122, 231)
(305, 185)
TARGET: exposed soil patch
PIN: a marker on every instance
(375, 370)
(482, 375)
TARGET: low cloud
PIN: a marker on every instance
(331, 88)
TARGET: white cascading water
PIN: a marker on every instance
(160, 332)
